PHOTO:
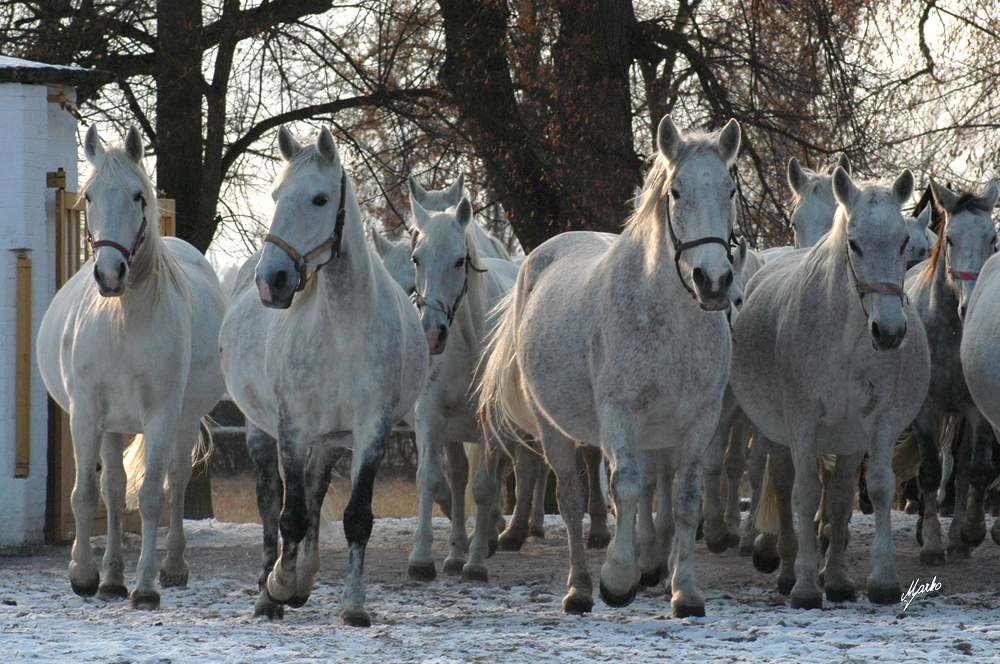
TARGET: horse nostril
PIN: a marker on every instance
(729, 279)
(280, 279)
(121, 271)
(97, 275)
(876, 332)
(698, 275)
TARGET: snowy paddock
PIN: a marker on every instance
(517, 617)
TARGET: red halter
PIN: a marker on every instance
(128, 253)
(964, 276)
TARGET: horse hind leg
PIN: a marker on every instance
(716, 530)
(599, 535)
(458, 474)
(174, 570)
(836, 582)
(756, 463)
(113, 482)
(973, 527)
(430, 429)
(486, 488)
(526, 466)
(926, 430)
(536, 517)
(735, 463)
(957, 548)
(263, 451)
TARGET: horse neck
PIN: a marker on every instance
(347, 282)
(146, 274)
(471, 317)
(943, 296)
(826, 264)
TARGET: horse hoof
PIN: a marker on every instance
(145, 600)
(920, 531)
(422, 571)
(356, 618)
(995, 532)
(297, 601)
(700, 533)
(472, 573)
(844, 594)
(973, 535)
(807, 602)
(452, 566)
(652, 578)
(112, 591)
(577, 603)
(510, 542)
(617, 601)
(959, 552)
(912, 507)
(598, 540)
(86, 589)
(717, 545)
(268, 609)
(746, 547)
(733, 542)
(765, 555)
(880, 595)
(491, 547)
(785, 584)
(172, 580)
(536, 530)
(696, 611)
(933, 557)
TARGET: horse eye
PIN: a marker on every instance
(411, 291)
(902, 249)
(948, 240)
(854, 247)
(87, 196)
(738, 302)
(137, 197)
(732, 194)
(319, 201)
(415, 261)
(460, 262)
(675, 194)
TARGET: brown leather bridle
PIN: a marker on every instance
(128, 253)
(684, 246)
(332, 243)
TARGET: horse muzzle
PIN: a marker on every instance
(111, 283)
(276, 288)
(886, 339)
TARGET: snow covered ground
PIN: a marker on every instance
(447, 621)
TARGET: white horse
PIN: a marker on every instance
(622, 342)
(128, 346)
(829, 358)
(813, 204)
(321, 349)
(454, 289)
(922, 240)
(941, 289)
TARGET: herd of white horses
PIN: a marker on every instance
(659, 349)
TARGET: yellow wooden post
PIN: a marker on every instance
(22, 372)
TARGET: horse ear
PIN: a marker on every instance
(796, 176)
(326, 147)
(729, 141)
(845, 163)
(668, 139)
(902, 188)
(463, 214)
(420, 215)
(453, 195)
(844, 189)
(288, 147)
(990, 194)
(382, 246)
(924, 218)
(943, 197)
(92, 146)
(741, 255)
(133, 145)
(637, 198)
(417, 193)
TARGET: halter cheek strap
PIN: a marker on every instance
(332, 243)
(680, 247)
(420, 301)
(128, 253)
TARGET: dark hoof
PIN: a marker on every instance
(510, 542)
(717, 546)
(806, 603)
(617, 600)
(86, 589)
(765, 555)
(110, 592)
(700, 533)
(973, 534)
(689, 611)
(912, 507)
(865, 506)
(733, 542)
(959, 552)
(145, 600)
(491, 547)
(452, 567)
(947, 510)
(168, 580)
(269, 610)
(920, 531)
(933, 557)
(577, 603)
(472, 573)
(785, 584)
(746, 547)
(297, 601)
(536, 531)
(598, 540)
(356, 618)
(842, 594)
(889, 595)
(422, 571)
(652, 578)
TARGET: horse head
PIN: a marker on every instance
(813, 205)
(920, 244)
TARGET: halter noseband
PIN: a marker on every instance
(332, 243)
(963, 276)
(683, 246)
(420, 301)
(128, 253)
(881, 288)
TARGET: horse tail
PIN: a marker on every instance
(503, 409)
(134, 461)
(768, 519)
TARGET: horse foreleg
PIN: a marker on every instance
(560, 452)
(368, 452)
(649, 562)
(663, 522)
(458, 475)
(486, 489)
(319, 467)
(806, 491)
(598, 536)
(536, 518)
(263, 451)
(113, 481)
(781, 471)
(957, 549)
(430, 426)
(84, 574)
(174, 569)
(973, 527)
(620, 572)
(526, 465)
(926, 429)
(716, 530)
(293, 451)
(837, 583)
(687, 599)
(883, 583)
(756, 463)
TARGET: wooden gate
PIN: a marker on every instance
(72, 251)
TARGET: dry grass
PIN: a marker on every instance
(235, 499)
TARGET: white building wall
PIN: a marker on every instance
(35, 137)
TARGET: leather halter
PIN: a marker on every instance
(332, 243)
(128, 253)
(420, 301)
(881, 288)
(963, 276)
(683, 246)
